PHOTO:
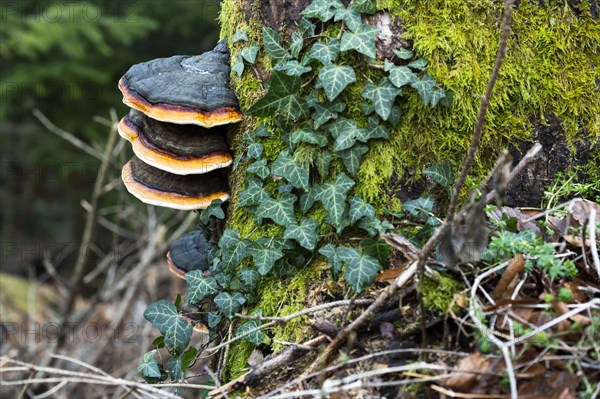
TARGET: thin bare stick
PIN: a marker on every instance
(593, 247)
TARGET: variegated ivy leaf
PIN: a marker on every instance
(234, 249)
(352, 156)
(382, 96)
(249, 53)
(259, 168)
(377, 248)
(287, 167)
(364, 6)
(361, 271)
(341, 125)
(374, 226)
(346, 139)
(307, 200)
(333, 79)
(255, 338)
(281, 98)
(241, 34)
(255, 150)
(273, 47)
(359, 209)
(350, 17)
(422, 208)
(361, 40)
(229, 304)
(214, 210)
(333, 197)
(214, 318)
(324, 113)
(307, 135)
(306, 27)
(323, 10)
(265, 252)
(304, 233)
(175, 370)
(293, 68)
(238, 65)
(430, 94)
(149, 366)
(296, 44)
(403, 53)
(373, 131)
(249, 278)
(254, 194)
(394, 117)
(419, 63)
(200, 286)
(280, 210)
(325, 53)
(367, 108)
(177, 331)
(442, 174)
(335, 263)
(322, 163)
(400, 76)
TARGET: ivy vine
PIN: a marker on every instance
(305, 101)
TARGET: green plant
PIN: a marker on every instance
(297, 198)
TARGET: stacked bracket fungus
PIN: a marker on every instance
(175, 101)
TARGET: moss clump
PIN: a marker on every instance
(438, 293)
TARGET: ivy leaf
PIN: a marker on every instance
(240, 34)
(335, 263)
(234, 249)
(149, 366)
(322, 163)
(419, 63)
(403, 53)
(273, 47)
(365, 6)
(254, 194)
(334, 79)
(214, 318)
(177, 331)
(238, 65)
(325, 53)
(281, 211)
(260, 169)
(293, 68)
(255, 150)
(306, 27)
(442, 174)
(382, 96)
(306, 135)
(376, 248)
(188, 358)
(323, 10)
(249, 53)
(296, 44)
(256, 338)
(394, 117)
(324, 113)
(350, 16)
(262, 131)
(285, 188)
(249, 279)
(175, 370)
(340, 126)
(287, 167)
(430, 94)
(367, 108)
(361, 271)
(200, 286)
(214, 209)
(361, 40)
(333, 197)
(307, 200)
(422, 208)
(304, 233)
(265, 253)
(229, 304)
(359, 209)
(400, 76)
(281, 99)
(373, 131)
(346, 139)
(352, 156)
(374, 226)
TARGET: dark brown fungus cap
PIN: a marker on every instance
(157, 187)
(189, 252)
(179, 149)
(184, 89)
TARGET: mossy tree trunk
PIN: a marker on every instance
(547, 91)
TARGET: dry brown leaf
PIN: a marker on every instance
(510, 275)
(465, 381)
(580, 210)
(559, 384)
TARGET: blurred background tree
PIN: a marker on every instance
(65, 58)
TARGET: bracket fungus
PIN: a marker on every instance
(178, 149)
(184, 89)
(187, 192)
(190, 252)
(179, 161)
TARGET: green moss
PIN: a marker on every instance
(438, 294)
(237, 361)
